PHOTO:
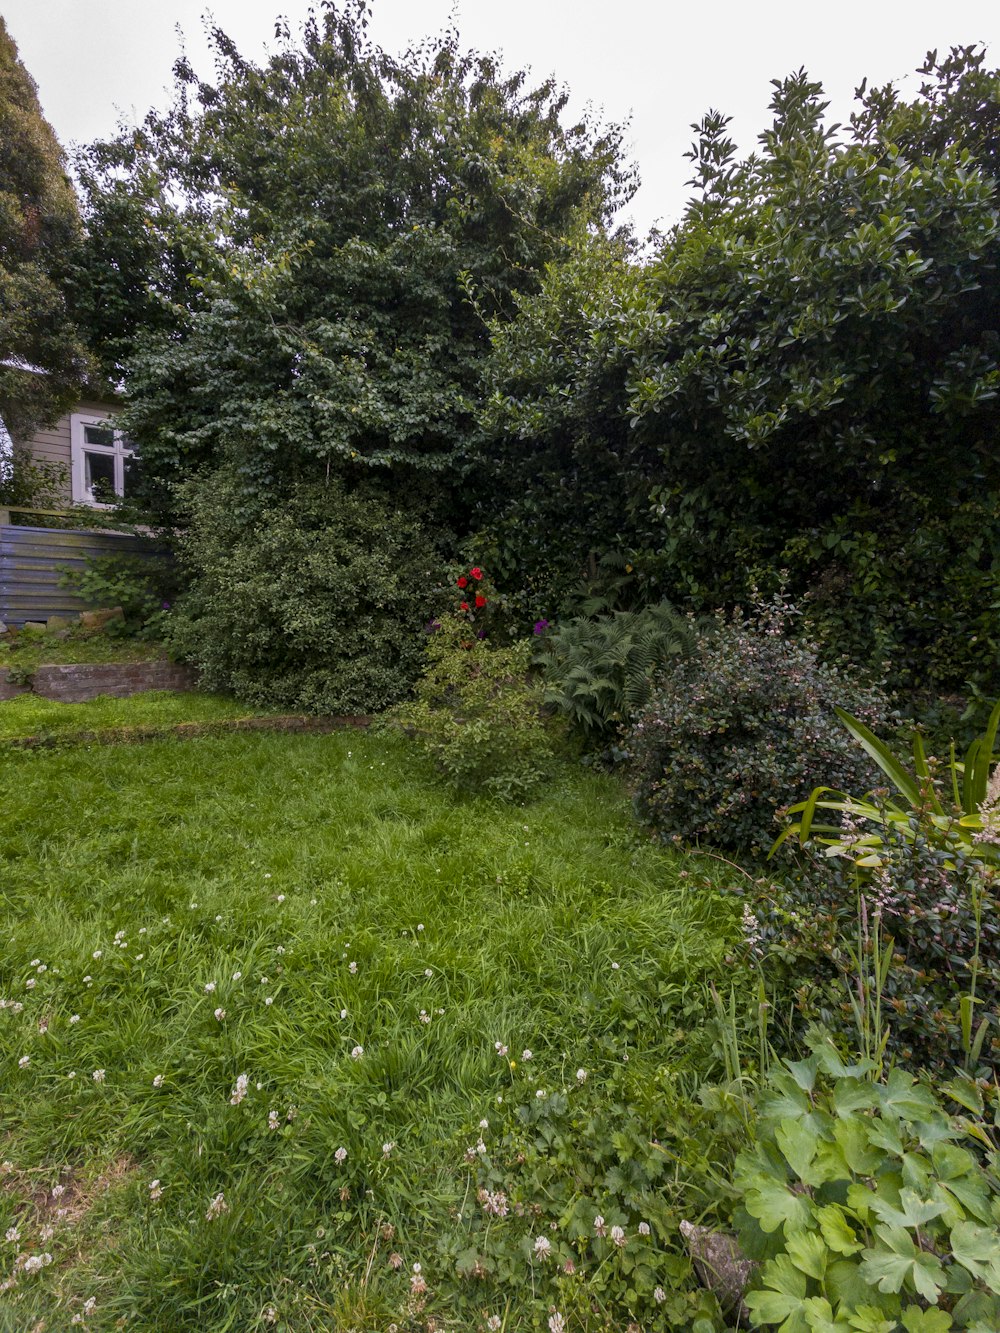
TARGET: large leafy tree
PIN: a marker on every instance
(39, 233)
(294, 267)
(804, 378)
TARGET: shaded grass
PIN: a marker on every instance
(134, 879)
(27, 649)
(29, 715)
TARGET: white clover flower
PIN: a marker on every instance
(98, 1076)
(34, 962)
(343, 1013)
(352, 968)
(581, 1076)
(599, 1225)
(158, 1081)
(618, 1236)
(557, 1324)
(357, 1052)
(58, 1191)
(42, 967)
(312, 902)
(35, 1262)
(484, 1124)
(209, 987)
(12, 1235)
(269, 999)
(142, 930)
(525, 1055)
(98, 953)
(540, 1093)
(88, 980)
(240, 1090)
(494, 1323)
(155, 1190)
(217, 1207)
(30, 984)
(424, 1016)
(428, 972)
(220, 1014)
(643, 1228)
(500, 1048)
(420, 926)
(481, 1148)
(615, 967)
(71, 1074)
(280, 949)
(659, 1295)
(340, 1156)
(273, 1120)
(387, 1149)
(237, 976)
(24, 1062)
(47, 1232)
(542, 1247)
(281, 897)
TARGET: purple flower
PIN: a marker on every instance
(166, 606)
(541, 626)
(432, 626)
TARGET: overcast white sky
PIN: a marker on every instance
(662, 64)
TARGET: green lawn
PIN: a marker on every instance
(29, 715)
(318, 914)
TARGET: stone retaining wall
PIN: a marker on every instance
(76, 682)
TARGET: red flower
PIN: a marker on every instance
(465, 606)
(462, 581)
(476, 573)
(480, 599)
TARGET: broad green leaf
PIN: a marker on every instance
(912, 1211)
(916, 1320)
(890, 1268)
(807, 1251)
(870, 1319)
(977, 1249)
(903, 781)
(782, 1297)
(775, 1205)
(820, 1317)
(853, 1140)
(798, 1146)
(851, 1095)
(905, 1097)
(837, 1231)
(845, 1284)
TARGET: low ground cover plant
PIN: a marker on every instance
(869, 1203)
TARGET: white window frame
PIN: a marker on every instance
(79, 448)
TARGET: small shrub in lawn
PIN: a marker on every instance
(743, 725)
(476, 712)
(144, 587)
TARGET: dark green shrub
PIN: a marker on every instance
(599, 672)
(145, 588)
(741, 726)
(477, 713)
(317, 603)
(940, 913)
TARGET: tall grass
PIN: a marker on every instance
(179, 914)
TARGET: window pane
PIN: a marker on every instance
(128, 473)
(99, 435)
(99, 477)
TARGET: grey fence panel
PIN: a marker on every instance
(32, 561)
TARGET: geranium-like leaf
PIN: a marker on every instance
(821, 1319)
(900, 1262)
(912, 1210)
(775, 1205)
(916, 1320)
(870, 1319)
(978, 1250)
(837, 1231)
(807, 1252)
(781, 1301)
(798, 1146)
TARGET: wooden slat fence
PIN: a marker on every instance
(32, 561)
